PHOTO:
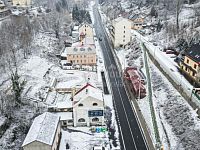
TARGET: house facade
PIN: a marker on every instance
(44, 133)
(81, 55)
(88, 106)
(22, 3)
(85, 30)
(190, 65)
(137, 21)
(120, 32)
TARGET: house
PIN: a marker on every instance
(85, 30)
(22, 3)
(3, 10)
(44, 133)
(88, 106)
(81, 55)
(190, 65)
(137, 21)
(121, 32)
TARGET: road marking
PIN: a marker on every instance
(122, 102)
(133, 109)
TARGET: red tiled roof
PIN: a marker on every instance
(84, 88)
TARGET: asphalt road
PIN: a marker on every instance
(131, 135)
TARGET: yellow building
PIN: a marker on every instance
(83, 55)
(121, 32)
(191, 64)
(22, 3)
(85, 30)
(137, 21)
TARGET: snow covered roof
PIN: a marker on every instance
(85, 23)
(86, 91)
(76, 28)
(43, 129)
(64, 115)
(194, 52)
(80, 50)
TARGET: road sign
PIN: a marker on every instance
(93, 113)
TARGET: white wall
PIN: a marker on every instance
(119, 32)
(82, 112)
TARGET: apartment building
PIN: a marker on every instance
(190, 65)
(120, 32)
(85, 30)
(81, 55)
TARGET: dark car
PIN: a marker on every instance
(155, 44)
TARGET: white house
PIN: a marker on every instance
(44, 133)
(88, 106)
(85, 30)
(121, 31)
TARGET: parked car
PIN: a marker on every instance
(155, 44)
(171, 52)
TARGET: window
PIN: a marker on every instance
(186, 69)
(84, 60)
(124, 27)
(95, 104)
(123, 40)
(124, 36)
(195, 66)
(64, 123)
(70, 121)
(95, 119)
(77, 56)
(73, 56)
(81, 120)
(85, 56)
(77, 61)
(124, 31)
(80, 105)
(85, 30)
(91, 60)
(193, 74)
(81, 61)
(187, 61)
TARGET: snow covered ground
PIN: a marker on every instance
(170, 67)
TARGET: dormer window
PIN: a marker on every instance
(95, 104)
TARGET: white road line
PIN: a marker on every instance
(122, 103)
(117, 117)
(136, 116)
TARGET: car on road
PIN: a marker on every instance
(155, 44)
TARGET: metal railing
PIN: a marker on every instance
(154, 121)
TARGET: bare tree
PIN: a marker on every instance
(179, 4)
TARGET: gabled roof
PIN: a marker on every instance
(43, 129)
(194, 52)
(85, 23)
(88, 84)
(88, 91)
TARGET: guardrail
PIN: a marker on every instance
(154, 121)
